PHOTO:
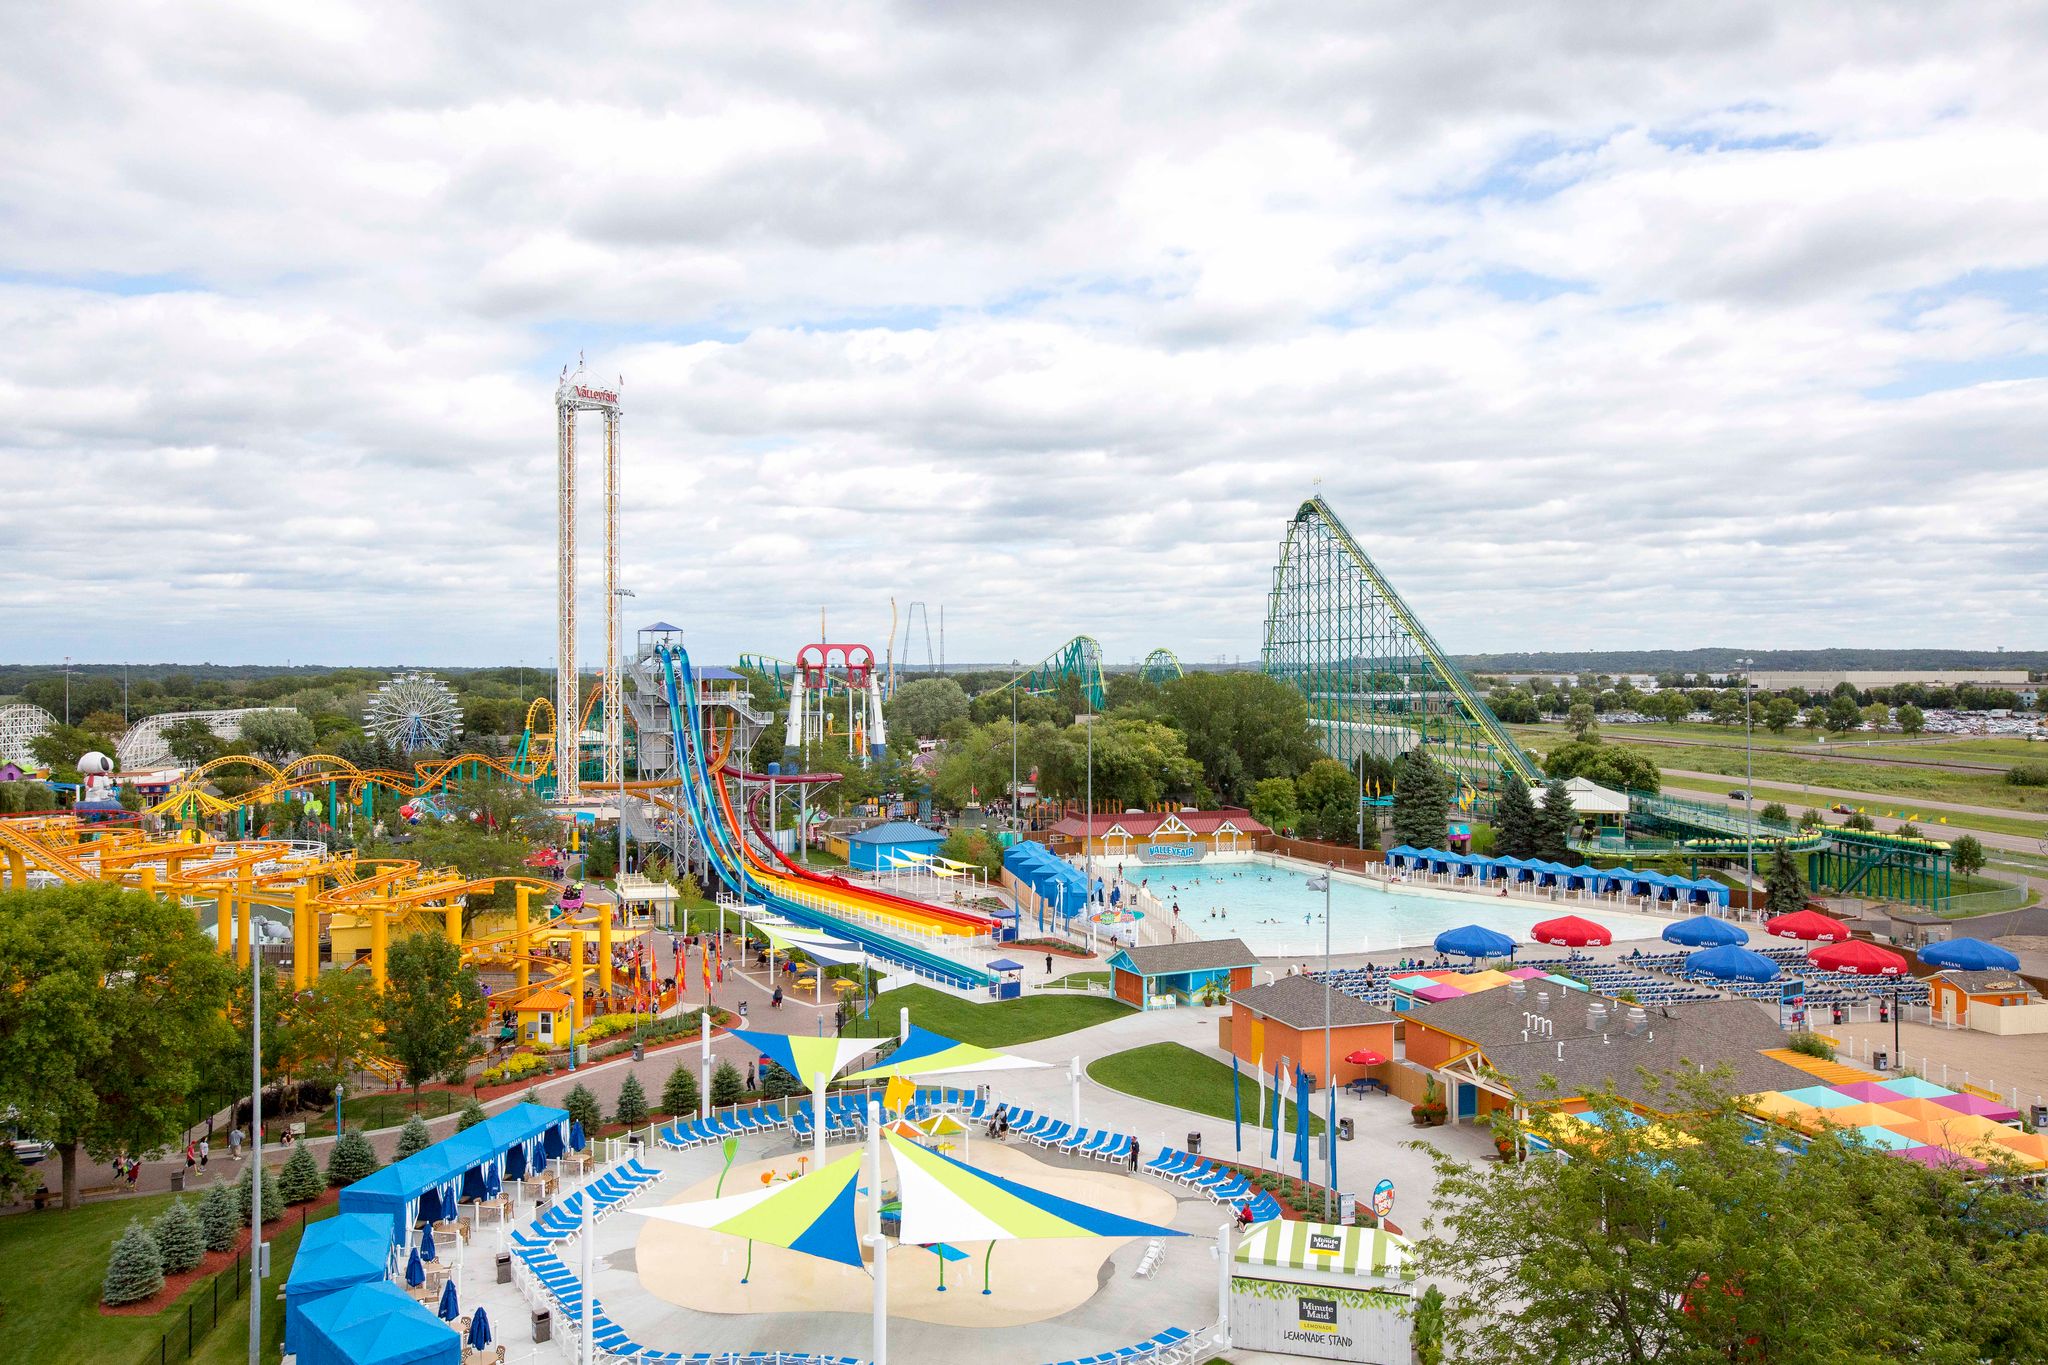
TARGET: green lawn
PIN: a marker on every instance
(1930, 823)
(1000, 1023)
(1075, 981)
(385, 1109)
(1171, 1074)
(49, 1307)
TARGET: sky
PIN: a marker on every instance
(1601, 325)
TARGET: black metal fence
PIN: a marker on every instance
(211, 1299)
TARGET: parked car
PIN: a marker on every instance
(28, 1151)
(1840, 808)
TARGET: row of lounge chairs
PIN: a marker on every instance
(1221, 1183)
(1173, 1344)
(616, 1347)
(758, 1118)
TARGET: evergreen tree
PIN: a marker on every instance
(632, 1105)
(583, 1108)
(778, 1084)
(299, 1179)
(351, 1159)
(273, 1197)
(1514, 821)
(135, 1270)
(472, 1114)
(414, 1137)
(1784, 888)
(179, 1237)
(218, 1219)
(1420, 794)
(1554, 824)
(679, 1093)
(727, 1086)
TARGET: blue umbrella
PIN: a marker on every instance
(1970, 955)
(540, 1162)
(415, 1273)
(493, 1186)
(479, 1330)
(515, 1161)
(449, 1310)
(1704, 931)
(426, 1244)
(1474, 940)
(430, 1205)
(576, 1138)
(1730, 963)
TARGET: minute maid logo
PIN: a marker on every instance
(1324, 1244)
(1317, 1315)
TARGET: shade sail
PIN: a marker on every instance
(804, 1057)
(1704, 931)
(1810, 925)
(1858, 958)
(1970, 955)
(925, 1053)
(1474, 940)
(812, 1214)
(1570, 931)
(1730, 963)
(810, 942)
(948, 1201)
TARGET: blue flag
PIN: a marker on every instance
(1279, 1113)
(1301, 1121)
(1236, 1106)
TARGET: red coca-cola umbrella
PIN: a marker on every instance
(1809, 925)
(1569, 931)
(1365, 1057)
(1860, 958)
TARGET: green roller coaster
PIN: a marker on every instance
(1161, 666)
(1079, 659)
(1377, 685)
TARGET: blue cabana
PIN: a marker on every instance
(374, 1324)
(429, 1183)
(1581, 878)
(1401, 855)
(1970, 955)
(1057, 884)
(1704, 931)
(878, 849)
(1475, 940)
(1706, 891)
(347, 1249)
(1730, 963)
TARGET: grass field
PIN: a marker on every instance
(1002, 1023)
(1074, 981)
(386, 1109)
(1170, 1074)
(1795, 801)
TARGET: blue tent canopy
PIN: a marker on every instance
(347, 1249)
(1970, 955)
(432, 1180)
(375, 1324)
(1052, 879)
(1730, 963)
(1474, 940)
(1704, 931)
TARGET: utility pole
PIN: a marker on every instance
(259, 1253)
(1748, 782)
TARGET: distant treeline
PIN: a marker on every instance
(1723, 660)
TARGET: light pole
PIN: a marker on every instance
(1016, 825)
(1748, 786)
(259, 1254)
(1088, 848)
(67, 689)
(1329, 1081)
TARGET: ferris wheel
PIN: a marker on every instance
(414, 711)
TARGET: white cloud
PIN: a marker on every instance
(1601, 326)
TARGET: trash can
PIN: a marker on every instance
(504, 1267)
(1880, 1061)
(2039, 1117)
(1194, 1144)
(543, 1325)
(639, 1052)
(1344, 1130)
(177, 1180)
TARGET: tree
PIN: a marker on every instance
(679, 1092)
(326, 1032)
(299, 1179)
(1611, 765)
(1966, 855)
(219, 1217)
(431, 1007)
(273, 1197)
(1554, 820)
(1240, 727)
(583, 1108)
(1273, 804)
(1579, 720)
(1670, 706)
(1328, 796)
(1784, 888)
(726, 1085)
(472, 1114)
(1774, 813)
(191, 741)
(1514, 821)
(1811, 819)
(1420, 795)
(1912, 720)
(974, 846)
(1859, 822)
(136, 1269)
(1779, 713)
(350, 1159)
(61, 746)
(1514, 705)
(922, 707)
(277, 736)
(778, 1084)
(631, 1108)
(1843, 715)
(413, 1138)
(179, 1237)
(109, 1001)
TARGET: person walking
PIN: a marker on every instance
(235, 1143)
(1134, 1154)
(205, 1150)
(191, 1154)
(1048, 964)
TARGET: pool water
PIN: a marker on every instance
(1270, 907)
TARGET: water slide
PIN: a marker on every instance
(791, 893)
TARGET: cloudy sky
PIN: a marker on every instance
(1601, 325)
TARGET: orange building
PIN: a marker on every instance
(2000, 1001)
(1285, 1018)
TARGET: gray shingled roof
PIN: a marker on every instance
(1196, 955)
(1987, 982)
(1298, 1002)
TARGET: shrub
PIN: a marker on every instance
(351, 1159)
(1774, 813)
(777, 1084)
(679, 1093)
(472, 1114)
(179, 1237)
(414, 1137)
(610, 1024)
(1812, 1045)
(300, 1180)
(519, 1064)
(726, 1084)
(218, 1220)
(2028, 775)
(273, 1197)
(582, 1107)
(135, 1270)
(632, 1105)
(1859, 822)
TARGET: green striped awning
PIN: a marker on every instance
(1327, 1246)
